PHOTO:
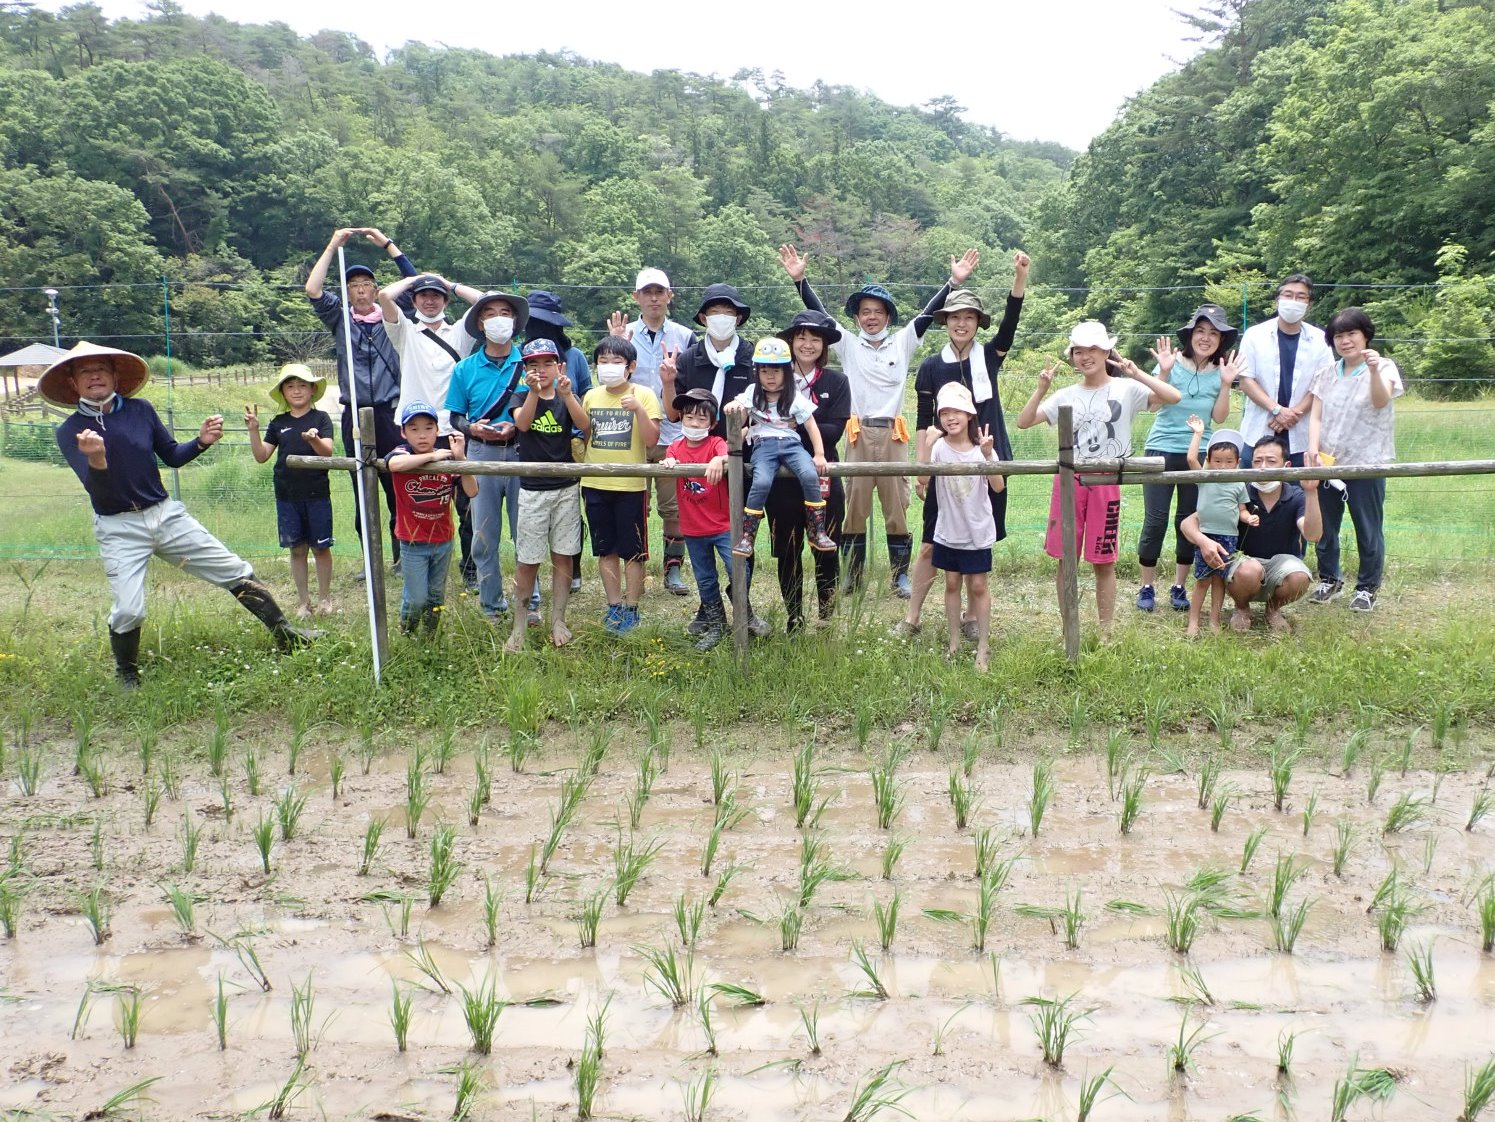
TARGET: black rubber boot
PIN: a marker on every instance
(259, 603)
(900, 553)
(126, 648)
(715, 626)
(674, 564)
(853, 562)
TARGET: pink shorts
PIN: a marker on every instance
(1097, 522)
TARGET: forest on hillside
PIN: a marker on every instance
(1352, 139)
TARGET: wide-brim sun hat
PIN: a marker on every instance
(546, 307)
(811, 320)
(874, 292)
(1090, 333)
(953, 395)
(303, 372)
(513, 299)
(1215, 316)
(722, 294)
(56, 382)
(964, 300)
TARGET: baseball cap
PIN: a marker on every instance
(646, 277)
(415, 409)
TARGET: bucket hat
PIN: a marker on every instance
(722, 294)
(1090, 333)
(546, 307)
(876, 292)
(964, 300)
(513, 299)
(1215, 315)
(130, 372)
(953, 395)
(811, 320)
(297, 370)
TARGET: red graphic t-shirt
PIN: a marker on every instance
(703, 506)
(423, 504)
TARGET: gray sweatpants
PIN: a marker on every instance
(127, 541)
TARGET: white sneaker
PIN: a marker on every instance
(1364, 600)
(1326, 590)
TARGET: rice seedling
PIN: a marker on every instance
(481, 1008)
(133, 1095)
(670, 972)
(987, 847)
(171, 776)
(373, 833)
(689, 916)
(1280, 765)
(600, 737)
(1054, 1022)
(1209, 777)
(861, 723)
(791, 923)
(721, 777)
(94, 906)
(638, 798)
(417, 793)
(475, 806)
(809, 1019)
(1310, 811)
(1073, 919)
(1286, 873)
(1222, 718)
(875, 988)
(590, 916)
(264, 838)
(444, 750)
(29, 770)
(876, 1094)
(96, 846)
(709, 850)
(596, 1031)
(220, 1016)
(226, 797)
(1485, 910)
(1391, 922)
(82, 737)
(493, 902)
(699, 723)
(218, 740)
(970, 753)
(445, 867)
(95, 775)
(964, 797)
(242, 945)
(1350, 754)
(1388, 889)
(288, 810)
(1181, 1051)
(1091, 1087)
(303, 1011)
(1193, 980)
(724, 881)
(630, 862)
(738, 995)
(1359, 1083)
(17, 861)
(1444, 717)
(10, 907)
(1408, 751)
(251, 765)
(534, 877)
(127, 1005)
(942, 1029)
(887, 795)
(1479, 1090)
(986, 907)
(1250, 846)
(469, 1087)
(1154, 715)
(814, 869)
(1118, 757)
(1131, 799)
(1289, 925)
(289, 1092)
(183, 908)
(1484, 799)
(1286, 1042)
(1079, 720)
(399, 1014)
(1420, 962)
(887, 920)
(1429, 851)
(697, 1094)
(523, 720)
(150, 798)
(482, 778)
(587, 1078)
(336, 767)
(1040, 795)
(191, 838)
(1375, 778)
(1182, 913)
(1407, 813)
(935, 720)
(891, 852)
(424, 961)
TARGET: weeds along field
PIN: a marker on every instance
(968, 916)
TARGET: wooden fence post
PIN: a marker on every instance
(735, 496)
(373, 532)
(1069, 562)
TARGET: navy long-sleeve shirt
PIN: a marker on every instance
(375, 362)
(134, 438)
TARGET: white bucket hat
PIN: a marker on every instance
(953, 395)
(1225, 436)
(1090, 333)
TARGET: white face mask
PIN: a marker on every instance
(1269, 486)
(440, 317)
(875, 337)
(499, 329)
(1291, 311)
(695, 433)
(612, 373)
(101, 404)
(721, 326)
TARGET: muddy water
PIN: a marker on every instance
(1341, 995)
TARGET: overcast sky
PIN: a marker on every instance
(1047, 70)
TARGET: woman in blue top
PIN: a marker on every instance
(1203, 370)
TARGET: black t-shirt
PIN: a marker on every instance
(284, 434)
(548, 441)
(1278, 532)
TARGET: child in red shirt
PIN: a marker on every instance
(423, 513)
(705, 518)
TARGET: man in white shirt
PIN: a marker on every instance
(1279, 358)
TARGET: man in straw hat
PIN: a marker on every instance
(112, 442)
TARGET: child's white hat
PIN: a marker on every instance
(1225, 436)
(953, 395)
(1090, 333)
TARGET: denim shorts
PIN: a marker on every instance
(1202, 571)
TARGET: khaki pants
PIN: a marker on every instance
(875, 444)
(666, 501)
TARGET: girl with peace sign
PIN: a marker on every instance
(965, 529)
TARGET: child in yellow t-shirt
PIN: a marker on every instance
(624, 426)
